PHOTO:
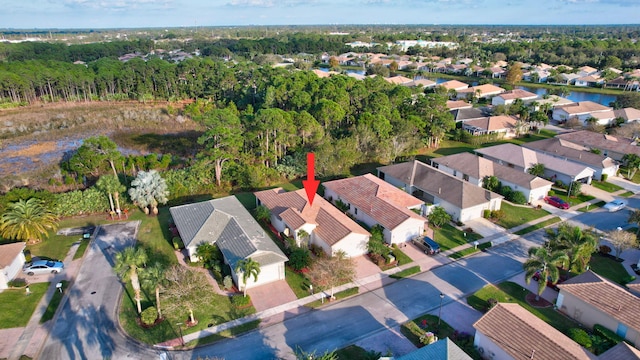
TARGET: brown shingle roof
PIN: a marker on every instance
(479, 167)
(383, 202)
(605, 296)
(8, 253)
(331, 224)
(524, 336)
(603, 142)
(439, 184)
(566, 149)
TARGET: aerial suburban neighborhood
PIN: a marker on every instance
(319, 191)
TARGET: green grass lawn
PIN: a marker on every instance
(516, 215)
(354, 352)
(609, 268)
(154, 236)
(53, 304)
(82, 248)
(539, 225)
(415, 328)
(590, 207)
(574, 200)
(606, 186)
(297, 282)
(468, 251)
(514, 293)
(406, 272)
(225, 334)
(16, 307)
(339, 295)
(626, 194)
(449, 237)
(624, 173)
(400, 256)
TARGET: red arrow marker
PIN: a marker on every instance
(311, 184)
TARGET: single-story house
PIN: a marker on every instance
(589, 80)
(458, 104)
(481, 91)
(454, 85)
(508, 97)
(474, 169)
(470, 113)
(563, 149)
(510, 332)
(587, 70)
(583, 111)
(374, 201)
(320, 224)
(227, 224)
(628, 114)
(462, 200)
(622, 351)
(398, 80)
(521, 158)
(11, 261)
(591, 299)
(567, 78)
(443, 349)
(501, 124)
(612, 146)
(425, 83)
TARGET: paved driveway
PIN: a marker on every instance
(271, 295)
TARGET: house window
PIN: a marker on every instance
(455, 173)
(465, 177)
(381, 176)
(355, 210)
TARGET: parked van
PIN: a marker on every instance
(427, 244)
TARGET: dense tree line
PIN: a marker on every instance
(62, 52)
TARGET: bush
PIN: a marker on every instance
(227, 282)
(149, 315)
(177, 243)
(517, 197)
(491, 302)
(580, 336)
(551, 193)
(604, 249)
(17, 283)
(299, 258)
(607, 334)
(240, 300)
(27, 255)
(486, 213)
(497, 214)
(604, 177)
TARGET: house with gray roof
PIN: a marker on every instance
(613, 146)
(474, 169)
(462, 200)
(566, 150)
(523, 159)
(443, 349)
(227, 224)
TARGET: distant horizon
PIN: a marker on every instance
(146, 14)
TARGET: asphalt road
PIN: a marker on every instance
(87, 325)
(603, 220)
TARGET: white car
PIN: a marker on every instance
(615, 205)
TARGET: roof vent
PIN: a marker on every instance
(439, 190)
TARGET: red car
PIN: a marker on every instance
(550, 283)
(556, 201)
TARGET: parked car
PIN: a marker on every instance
(43, 267)
(615, 205)
(556, 201)
(554, 285)
(427, 244)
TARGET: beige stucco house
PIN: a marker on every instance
(11, 261)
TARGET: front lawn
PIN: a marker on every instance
(53, 304)
(297, 282)
(609, 268)
(468, 251)
(16, 307)
(574, 200)
(606, 186)
(154, 236)
(518, 215)
(400, 256)
(415, 328)
(448, 237)
(513, 293)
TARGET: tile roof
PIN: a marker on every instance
(228, 224)
(8, 253)
(398, 80)
(622, 351)
(478, 167)
(522, 335)
(331, 224)
(605, 296)
(582, 107)
(525, 158)
(443, 349)
(485, 89)
(383, 202)
(458, 104)
(595, 140)
(628, 114)
(517, 94)
(563, 148)
(454, 84)
(492, 123)
(421, 82)
(453, 190)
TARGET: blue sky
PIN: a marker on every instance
(26, 14)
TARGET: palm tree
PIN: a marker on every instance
(634, 218)
(248, 267)
(127, 263)
(545, 262)
(111, 185)
(27, 220)
(154, 277)
(576, 243)
(148, 189)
